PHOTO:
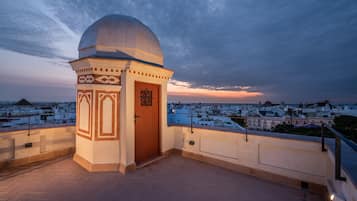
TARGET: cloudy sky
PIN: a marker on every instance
(221, 50)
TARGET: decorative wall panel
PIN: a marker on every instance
(107, 115)
(222, 145)
(84, 113)
(294, 159)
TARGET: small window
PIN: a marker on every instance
(146, 97)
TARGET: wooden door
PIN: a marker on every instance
(146, 122)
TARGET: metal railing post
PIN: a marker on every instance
(246, 134)
(191, 121)
(29, 126)
(338, 160)
(323, 149)
(246, 129)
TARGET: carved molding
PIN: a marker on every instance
(99, 79)
(108, 79)
(86, 79)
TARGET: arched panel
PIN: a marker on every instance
(84, 113)
(107, 115)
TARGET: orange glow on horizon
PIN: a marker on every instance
(178, 88)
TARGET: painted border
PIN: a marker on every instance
(99, 115)
(83, 133)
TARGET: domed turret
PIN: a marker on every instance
(122, 37)
(120, 77)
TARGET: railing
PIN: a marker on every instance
(191, 119)
(32, 125)
(338, 153)
(23, 126)
(190, 116)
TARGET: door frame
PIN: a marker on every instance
(159, 116)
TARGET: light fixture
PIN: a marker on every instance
(332, 197)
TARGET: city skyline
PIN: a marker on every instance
(221, 51)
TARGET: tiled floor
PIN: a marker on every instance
(172, 178)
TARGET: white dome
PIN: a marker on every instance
(122, 37)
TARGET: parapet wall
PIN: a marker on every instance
(19, 148)
(285, 160)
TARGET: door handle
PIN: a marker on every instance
(135, 117)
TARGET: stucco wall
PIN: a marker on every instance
(296, 159)
(44, 140)
(140, 72)
(344, 190)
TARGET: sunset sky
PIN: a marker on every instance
(238, 51)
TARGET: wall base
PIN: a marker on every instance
(90, 167)
(37, 158)
(125, 169)
(171, 152)
(132, 167)
(312, 187)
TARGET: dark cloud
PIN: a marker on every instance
(289, 50)
(26, 29)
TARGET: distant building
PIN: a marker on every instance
(23, 102)
(269, 116)
(263, 123)
(23, 113)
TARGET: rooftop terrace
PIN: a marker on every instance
(172, 178)
(227, 165)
